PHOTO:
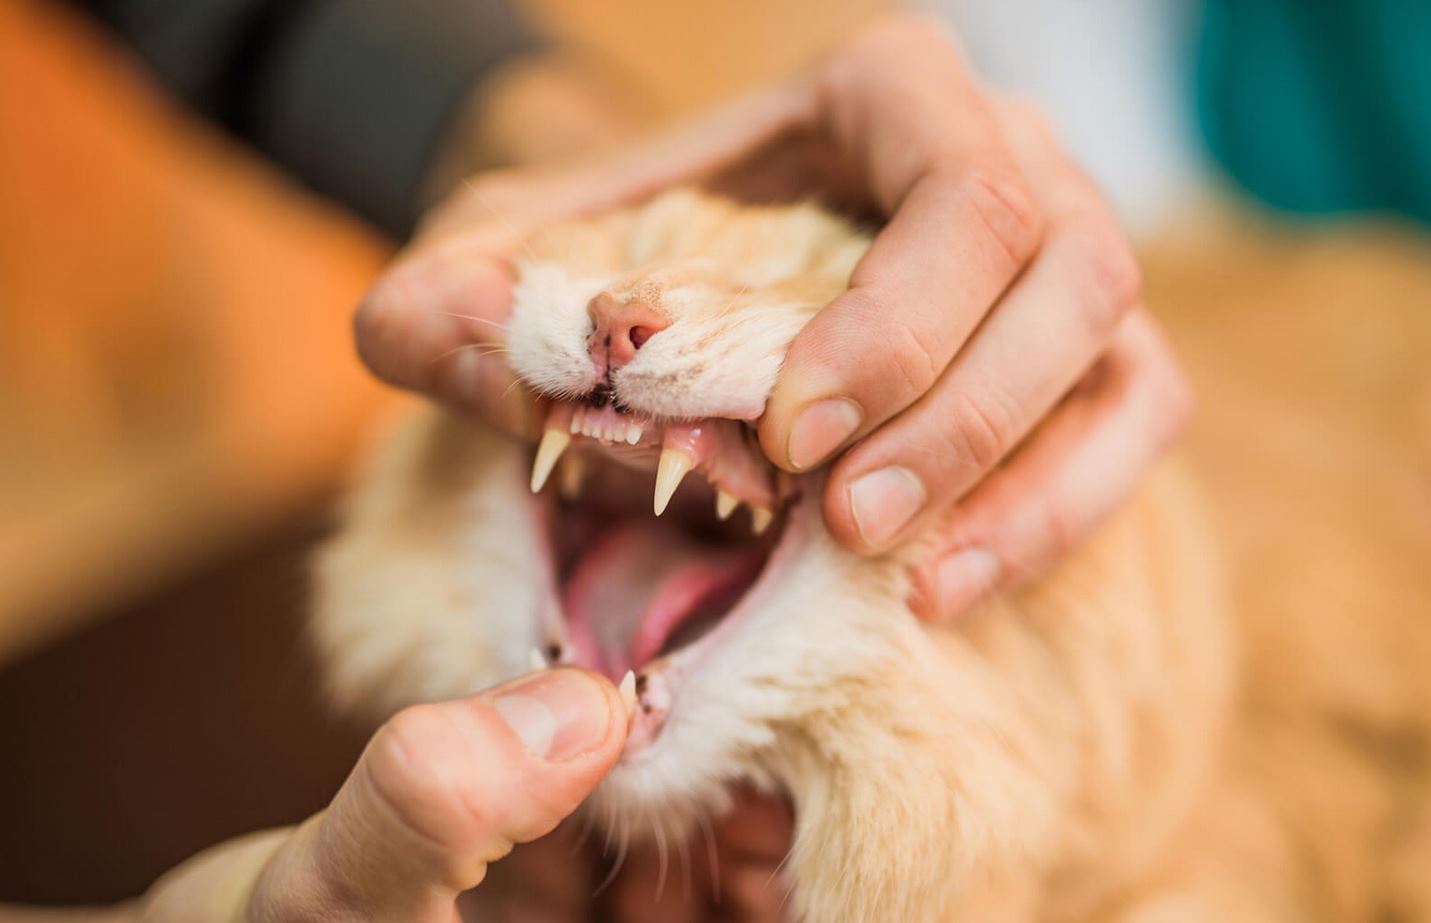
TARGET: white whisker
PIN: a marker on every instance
(712, 857)
(661, 853)
(625, 842)
(490, 350)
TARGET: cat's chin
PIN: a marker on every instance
(648, 589)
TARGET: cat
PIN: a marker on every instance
(1070, 752)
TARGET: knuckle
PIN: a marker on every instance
(378, 326)
(1179, 402)
(1025, 116)
(915, 358)
(1110, 281)
(1058, 533)
(1006, 207)
(983, 431)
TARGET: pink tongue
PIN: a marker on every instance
(636, 586)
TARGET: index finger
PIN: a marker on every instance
(901, 107)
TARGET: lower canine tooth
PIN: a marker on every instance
(673, 467)
(627, 690)
(554, 442)
(725, 504)
(760, 519)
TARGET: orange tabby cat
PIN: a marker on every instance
(1074, 752)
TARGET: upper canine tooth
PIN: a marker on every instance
(570, 475)
(673, 467)
(725, 504)
(554, 442)
(760, 519)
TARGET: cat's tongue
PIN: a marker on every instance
(643, 586)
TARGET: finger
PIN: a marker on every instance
(433, 322)
(443, 790)
(1031, 349)
(962, 225)
(1074, 472)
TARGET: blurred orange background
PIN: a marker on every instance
(179, 400)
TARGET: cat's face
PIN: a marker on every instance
(763, 653)
(652, 364)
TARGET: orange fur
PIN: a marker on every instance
(1122, 741)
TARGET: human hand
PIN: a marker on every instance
(440, 792)
(991, 373)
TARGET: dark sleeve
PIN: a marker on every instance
(351, 96)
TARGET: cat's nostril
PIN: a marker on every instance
(639, 336)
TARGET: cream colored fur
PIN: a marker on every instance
(1069, 753)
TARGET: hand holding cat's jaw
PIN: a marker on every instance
(440, 792)
(1022, 381)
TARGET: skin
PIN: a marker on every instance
(992, 371)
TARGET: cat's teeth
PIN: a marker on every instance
(760, 519)
(674, 466)
(627, 689)
(554, 442)
(725, 504)
(536, 659)
(633, 433)
(571, 473)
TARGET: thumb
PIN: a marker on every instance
(442, 790)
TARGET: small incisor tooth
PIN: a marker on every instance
(760, 519)
(536, 659)
(633, 434)
(674, 466)
(627, 689)
(554, 442)
(725, 504)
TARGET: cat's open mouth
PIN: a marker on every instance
(652, 551)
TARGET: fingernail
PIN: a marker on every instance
(820, 429)
(558, 714)
(963, 579)
(883, 501)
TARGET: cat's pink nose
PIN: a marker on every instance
(621, 328)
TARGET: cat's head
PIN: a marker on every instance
(658, 540)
